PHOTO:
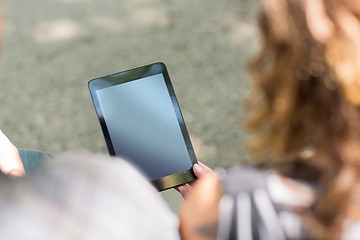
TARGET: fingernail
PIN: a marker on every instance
(197, 167)
(182, 190)
(16, 173)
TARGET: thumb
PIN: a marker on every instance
(201, 169)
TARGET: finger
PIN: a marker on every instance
(201, 169)
(205, 168)
(183, 190)
(10, 162)
(191, 184)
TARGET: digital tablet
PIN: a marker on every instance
(141, 121)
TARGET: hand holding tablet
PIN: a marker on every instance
(142, 122)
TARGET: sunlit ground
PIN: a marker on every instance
(52, 48)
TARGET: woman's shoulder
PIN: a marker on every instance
(281, 198)
(271, 198)
(282, 190)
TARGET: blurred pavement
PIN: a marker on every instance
(52, 48)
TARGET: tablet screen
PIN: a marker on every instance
(143, 125)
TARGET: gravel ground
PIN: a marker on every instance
(52, 48)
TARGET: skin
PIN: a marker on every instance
(199, 213)
(10, 162)
(200, 170)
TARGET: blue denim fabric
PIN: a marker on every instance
(32, 158)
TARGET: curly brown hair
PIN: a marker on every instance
(305, 101)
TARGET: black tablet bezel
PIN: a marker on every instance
(135, 74)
